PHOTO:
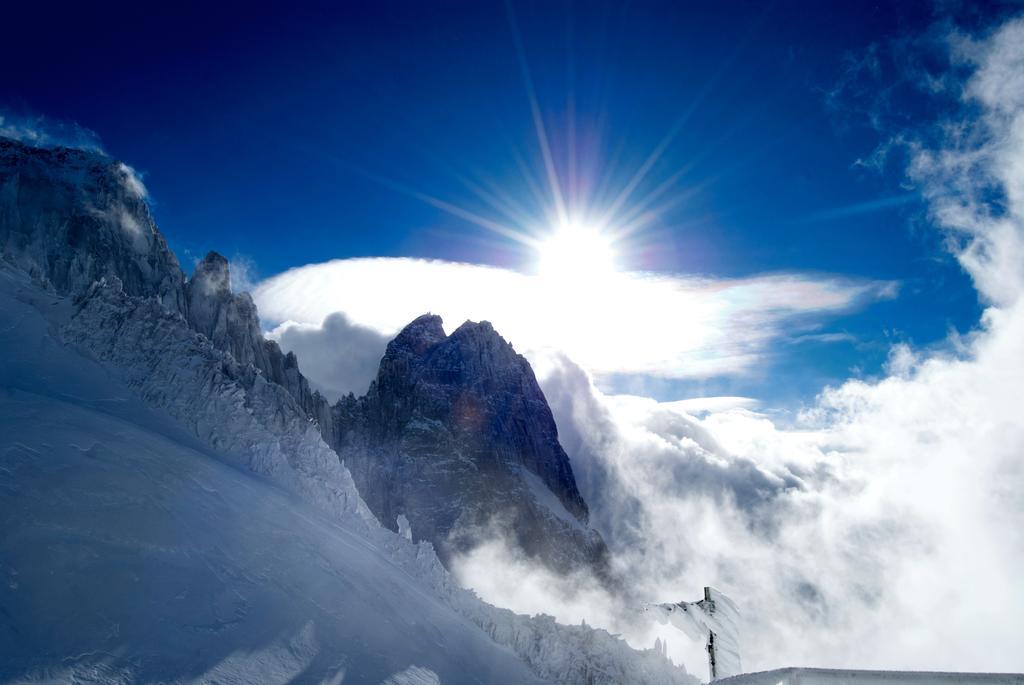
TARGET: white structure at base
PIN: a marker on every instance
(834, 676)
(714, 618)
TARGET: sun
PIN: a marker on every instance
(576, 252)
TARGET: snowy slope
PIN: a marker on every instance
(129, 554)
(133, 551)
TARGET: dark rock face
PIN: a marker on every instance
(71, 217)
(232, 324)
(229, 321)
(456, 435)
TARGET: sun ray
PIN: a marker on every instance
(455, 210)
(538, 119)
(578, 201)
(499, 201)
(532, 184)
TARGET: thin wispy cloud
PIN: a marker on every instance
(133, 181)
(41, 131)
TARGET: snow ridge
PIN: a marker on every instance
(260, 427)
(231, 407)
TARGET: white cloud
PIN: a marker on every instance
(974, 179)
(661, 325)
(885, 526)
(338, 356)
(860, 537)
(133, 181)
(884, 530)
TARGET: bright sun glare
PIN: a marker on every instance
(576, 252)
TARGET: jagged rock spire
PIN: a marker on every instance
(455, 433)
(71, 218)
(213, 274)
(422, 333)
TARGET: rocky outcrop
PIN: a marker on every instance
(456, 435)
(228, 405)
(231, 322)
(72, 217)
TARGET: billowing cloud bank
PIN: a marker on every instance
(624, 323)
(885, 529)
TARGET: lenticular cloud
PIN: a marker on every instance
(624, 323)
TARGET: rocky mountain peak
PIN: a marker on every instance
(213, 275)
(480, 336)
(71, 217)
(455, 433)
(418, 336)
(212, 308)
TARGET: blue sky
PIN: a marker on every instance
(289, 136)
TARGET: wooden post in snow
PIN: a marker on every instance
(710, 608)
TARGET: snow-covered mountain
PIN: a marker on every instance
(132, 553)
(455, 433)
(210, 532)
